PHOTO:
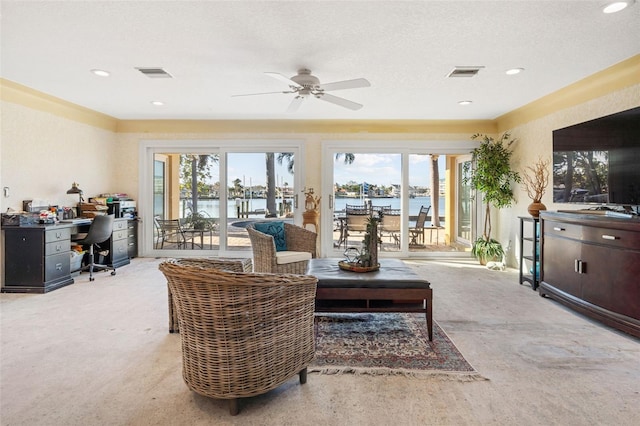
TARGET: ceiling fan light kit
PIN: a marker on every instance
(304, 84)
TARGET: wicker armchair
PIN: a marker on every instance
(301, 246)
(243, 334)
(233, 265)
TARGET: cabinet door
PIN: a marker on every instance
(24, 257)
(559, 270)
(597, 264)
(611, 280)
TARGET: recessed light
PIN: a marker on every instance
(101, 73)
(514, 71)
(157, 103)
(465, 102)
(616, 6)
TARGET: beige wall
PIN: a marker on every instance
(42, 154)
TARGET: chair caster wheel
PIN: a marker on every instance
(91, 279)
(113, 272)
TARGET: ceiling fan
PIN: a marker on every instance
(304, 85)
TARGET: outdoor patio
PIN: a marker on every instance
(434, 241)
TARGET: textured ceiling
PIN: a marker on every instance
(215, 49)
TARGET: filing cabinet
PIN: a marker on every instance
(37, 258)
(132, 235)
(118, 244)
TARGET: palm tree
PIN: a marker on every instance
(435, 191)
(271, 185)
(195, 168)
(290, 160)
(349, 158)
(237, 187)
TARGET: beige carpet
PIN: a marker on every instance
(99, 354)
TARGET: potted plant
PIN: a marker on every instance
(369, 255)
(197, 220)
(492, 175)
(536, 178)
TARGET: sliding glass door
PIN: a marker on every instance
(203, 195)
(409, 184)
(464, 202)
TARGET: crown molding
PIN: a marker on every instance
(23, 95)
(307, 126)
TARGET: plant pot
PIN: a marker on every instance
(484, 260)
(535, 207)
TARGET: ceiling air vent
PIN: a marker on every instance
(464, 72)
(154, 72)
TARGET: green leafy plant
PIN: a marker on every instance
(198, 220)
(369, 255)
(487, 249)
(491, 175)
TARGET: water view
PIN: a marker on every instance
(212, 206)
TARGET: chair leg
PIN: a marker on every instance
(91, 261)
(93, 266)
(303, 376)
(233, 407)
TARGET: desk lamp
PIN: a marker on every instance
(75, 190)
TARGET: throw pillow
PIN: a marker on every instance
(275, 229)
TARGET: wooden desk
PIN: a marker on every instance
(37, 258)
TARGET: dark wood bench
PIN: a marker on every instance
(393, 288)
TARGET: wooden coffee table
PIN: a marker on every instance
(393, 288)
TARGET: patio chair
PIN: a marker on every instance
(171, 232)
(381, 209)
(300, 247)
(243, 334)
(356, 220)
(390, 225)
(417, 233)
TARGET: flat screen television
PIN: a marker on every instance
(598, 162)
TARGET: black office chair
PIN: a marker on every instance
(100, 231)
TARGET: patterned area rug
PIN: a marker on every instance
(385, 344)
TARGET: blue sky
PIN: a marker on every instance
(380, 169)
(384, 169)
(251, 167)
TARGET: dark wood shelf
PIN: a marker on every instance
(530, 250)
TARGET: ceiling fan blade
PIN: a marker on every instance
(284, 79)
(263, 93)
(346, 84)
(339, 101)
(295, 104)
